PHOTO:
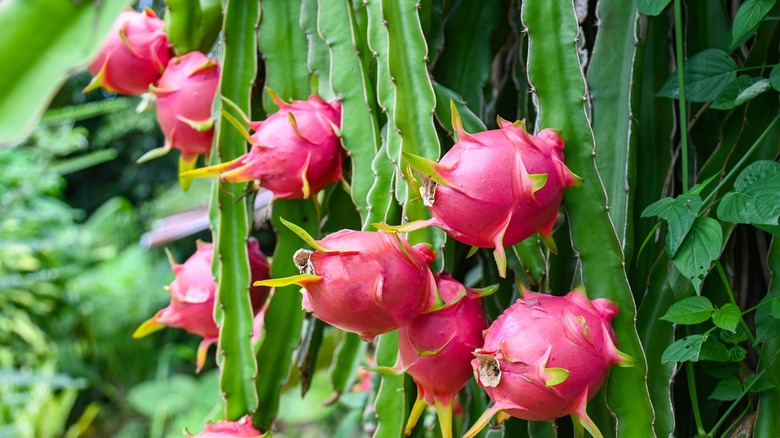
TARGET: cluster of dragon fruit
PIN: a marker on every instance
(545, 357)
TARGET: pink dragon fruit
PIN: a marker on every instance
(436, 349)
(495, 188)
(229, 429)
(193, 294)
(295, 152)
(546, 357)
(185, 93)
(134, 55)
(363, 282)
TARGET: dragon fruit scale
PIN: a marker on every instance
(185, 94)
(229, 429)
(363, 282)
(193, 293)
(133, 56)
(295, 152)
(495, 188)
(546, 356)
(436, 348)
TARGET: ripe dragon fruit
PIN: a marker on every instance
(193, 294)
(495, 188)
(296, 152)
(546, 357)
(133, 56)
(436, 348)
(185, 93)
(229, 429)
(363, 282)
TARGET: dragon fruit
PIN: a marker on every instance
(495, 188)
(546, 356)
(193, 294)
(229, 429)
(133, 56)
(436, 348)
(295, 152)
(363, 282)
(185, 93)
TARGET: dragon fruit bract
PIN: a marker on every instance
(229, 429)
(133, 56)
(363, 282)
(193, 293)
(295, 152)
(496, 188)
(545, 357)
(436, 349)
(185, 93)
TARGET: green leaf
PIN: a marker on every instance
(774, 77)
(767, 325)
(727, 317)
(471, 122)
(763, 382)
(680, 213)
(652, 7)
(38, 55)
(700, 247)
(756, 196)
(750, 13)
(775, 309)
(715, 351)
(740, 91)
(729, 388)
(707, 74)
(685, 349)
(691, 310)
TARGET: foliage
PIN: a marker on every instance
(669, 111)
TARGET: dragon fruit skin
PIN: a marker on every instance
(368, 283)
(185, 93)
(545, 357)
(193, 293)
(436, 349)
(498, 187)
(229, 429)
(295, 152)
(133, 56)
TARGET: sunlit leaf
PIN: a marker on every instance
(691, 310)
(727, 317)
(57, 37)
(740, 91)
(756, 196)
(707, 74)
(700, 247)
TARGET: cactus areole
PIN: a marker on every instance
(363, 282)
(133, 56)
(546, 356)
(495, 188)
(296, 152)
(436, 348)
